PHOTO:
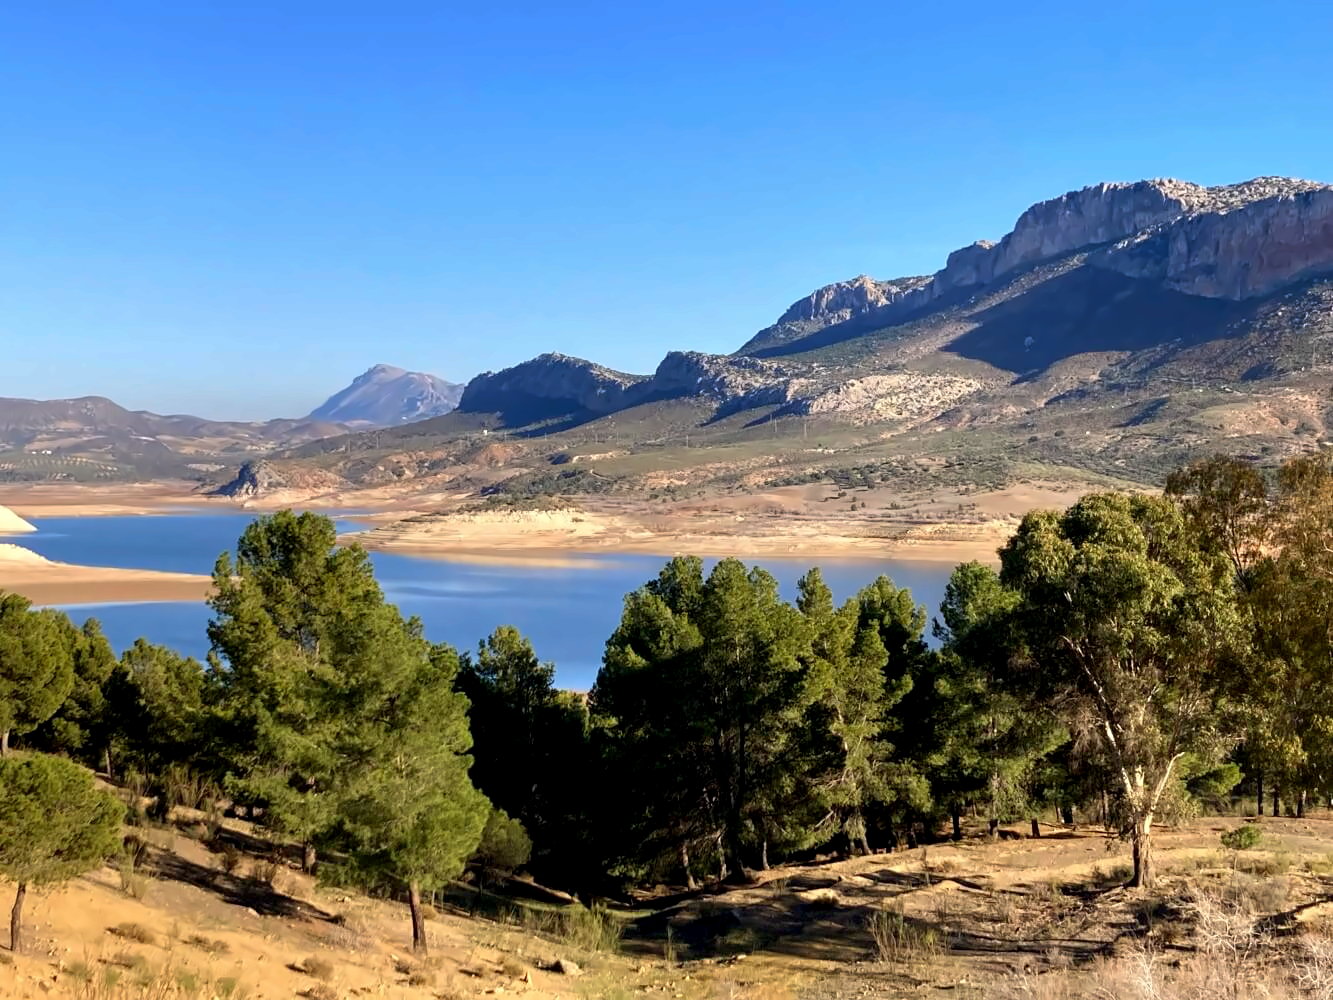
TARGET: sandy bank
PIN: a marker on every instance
(23, 571)
(12, 524)
(561, 536)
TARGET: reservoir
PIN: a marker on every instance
(567, 611)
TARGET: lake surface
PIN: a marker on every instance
(567, 611)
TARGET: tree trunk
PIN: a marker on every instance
(106, 760)
(1036, 827)
(1259, 792)
(685, 866)
(16, 919)
(957, 823)
(418, 919)
(1145, 875)
(1300, 805)
(308, 858)
(994, 831)
(1277, 799)
(763, 855)
(1067, 814)
(4, 743)
(865, 844)
(1106, 811)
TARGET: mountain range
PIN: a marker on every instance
(1115, 331)
(92, 438)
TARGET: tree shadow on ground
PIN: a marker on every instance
(245, 892)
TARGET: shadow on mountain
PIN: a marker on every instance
(1089, 310)
(848, 329)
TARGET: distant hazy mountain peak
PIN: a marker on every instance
(385, 395)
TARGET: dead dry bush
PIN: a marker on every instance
(1234, 958)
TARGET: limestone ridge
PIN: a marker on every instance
(385, 396)
(1234, 241)
(1123, 251)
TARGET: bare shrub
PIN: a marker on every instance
(320, 968)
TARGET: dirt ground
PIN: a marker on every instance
(972, 916)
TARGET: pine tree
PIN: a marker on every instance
(994, 733)
(411, 812)
(528, 738)
(84, 726)
(847, 677)
(53, 825)
(159, 698)
(711, 674)
(279, 610)
(36, 666)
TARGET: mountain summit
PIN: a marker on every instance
(385, 396)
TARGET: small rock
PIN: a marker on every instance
(566, 968)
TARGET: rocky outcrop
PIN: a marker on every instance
(386, 396)
(720, 377)
(255, 479)
(833, 304)
(897, 396)
(548, 386)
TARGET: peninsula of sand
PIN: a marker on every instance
(43, 581)
(807, 522)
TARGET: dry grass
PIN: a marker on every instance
(896, 939)
(589, 929)
(1233, 958)
(212, 946)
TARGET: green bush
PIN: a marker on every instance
(1243, 838)
(505, 845)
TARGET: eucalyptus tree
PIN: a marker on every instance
(1129, 627)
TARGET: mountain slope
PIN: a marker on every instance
(92, 438)
(1116, 331)
(385, 396)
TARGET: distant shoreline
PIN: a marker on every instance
(450, 529)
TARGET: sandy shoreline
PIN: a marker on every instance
(774, 525)
(44, 582)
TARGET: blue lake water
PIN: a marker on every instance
(567, 611)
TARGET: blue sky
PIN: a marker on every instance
(233, 208)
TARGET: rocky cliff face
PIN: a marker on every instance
(1237, 253)
(1234, 241)
(547, 386)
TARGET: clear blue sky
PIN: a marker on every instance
(232, 208)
